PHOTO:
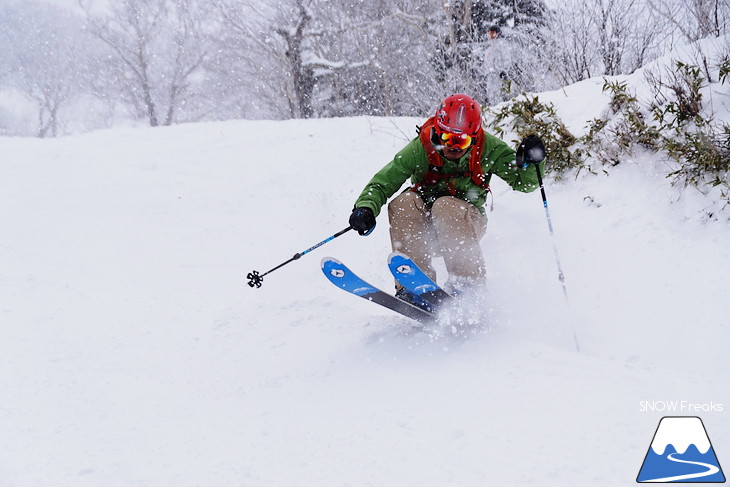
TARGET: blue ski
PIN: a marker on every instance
(342, 277)
(415, 280)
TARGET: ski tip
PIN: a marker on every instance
(325, 260)
(394, 255)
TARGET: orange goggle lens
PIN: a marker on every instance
(459, 141)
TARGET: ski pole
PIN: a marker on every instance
(255, 279)
(532, 151)
(561, 275)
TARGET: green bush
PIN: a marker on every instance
(699, 145)
(724, 67)
(614, 138)
(685, 103)
(526, 115)
(673, 124)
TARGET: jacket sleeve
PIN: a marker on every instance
(410, 161)
(503, 158)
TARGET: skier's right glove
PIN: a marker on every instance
(362, 220)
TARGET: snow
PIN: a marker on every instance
(134, 353)
(688, 430)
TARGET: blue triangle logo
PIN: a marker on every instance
(681, 452)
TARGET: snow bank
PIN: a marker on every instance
(133, 353)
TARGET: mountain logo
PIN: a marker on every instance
(680, 452)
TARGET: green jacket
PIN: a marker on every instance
(412, 162)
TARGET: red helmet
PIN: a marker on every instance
(458, 114)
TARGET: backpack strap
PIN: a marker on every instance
(425, 134)
(475, 162)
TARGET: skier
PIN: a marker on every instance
(497, 62)
(494, 32)
(450, 164)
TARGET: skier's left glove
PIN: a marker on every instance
(530, 151)
(362, 220)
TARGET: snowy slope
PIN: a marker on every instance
(133, 353)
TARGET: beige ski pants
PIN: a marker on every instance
(452, 228)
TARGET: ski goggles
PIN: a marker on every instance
(458, 141)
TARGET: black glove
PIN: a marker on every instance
(530, 151)
(362, 220)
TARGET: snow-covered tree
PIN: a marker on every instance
(166, 61)
(269, 51)
(44, 58)
(343, 57)
(378, 53)
(693, 19)
(588, 38)
(156, 52)
(493, 68)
